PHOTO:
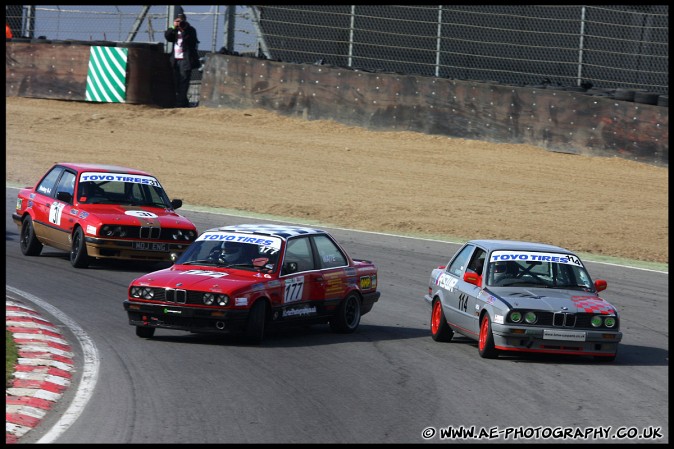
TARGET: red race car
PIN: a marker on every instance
(101, 211)
(244, 278)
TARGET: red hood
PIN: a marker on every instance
(202, 278)
(133, 215)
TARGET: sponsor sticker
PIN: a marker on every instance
(299, 311)
(119, 177)
(447, 282)
(91, 230)
(553, 334)
(241, 301)
(274, 243)
(568, 259)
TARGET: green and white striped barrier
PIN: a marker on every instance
(106, 79)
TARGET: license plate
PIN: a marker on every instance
(552, 334)
(148, 246)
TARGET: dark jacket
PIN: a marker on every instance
(190, 43)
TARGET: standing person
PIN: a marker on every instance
(184, 57)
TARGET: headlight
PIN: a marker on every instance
(208, 298)
(596, 321)
(530, 317)
(212, 298)
(179, 234)
(110, 231)
(515, 317)
(142, 292)
(610, 321)
(223, 300)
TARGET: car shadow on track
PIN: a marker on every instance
(628, 355)
(130, 266)
(301, 335)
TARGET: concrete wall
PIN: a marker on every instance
(563, 121)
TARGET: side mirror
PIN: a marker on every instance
(64, 196)
(600, 285)
(176, 204)
(290, 267)
(471, 278)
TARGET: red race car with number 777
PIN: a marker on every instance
(247, 278)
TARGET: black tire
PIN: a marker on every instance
(646, 97)
(30, 245)
(440, 330)
(485, 343)
(78, 250)
(347, 316)
(257, 317)
(145, 332)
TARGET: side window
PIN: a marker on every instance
(48, 184)
(458, 264)
(477, 261)
(328, 252)
(67, 183)
(299, 251)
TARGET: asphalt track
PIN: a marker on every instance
(386, 383)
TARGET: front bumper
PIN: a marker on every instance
(189, 319)
(563, 341)
(133, 249)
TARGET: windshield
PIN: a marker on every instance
(235, 250)
(121, 188)
(537, 269)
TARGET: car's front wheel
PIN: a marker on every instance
(440, 330)
(145, 332)
(30, 245)
(485, 343)
(347, 316)
(78, 250)
(254, 332)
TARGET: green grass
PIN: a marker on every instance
(11, 356)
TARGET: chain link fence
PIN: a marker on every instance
(608, 47)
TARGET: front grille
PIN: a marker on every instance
(147, 232)
(144, 232)
(562, 319)
(178, 296)
(566, 320)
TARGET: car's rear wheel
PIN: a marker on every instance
(78, 250)
(254, 332)
(485, 343)
(440, 330)
(145, 332)
(347, 316)
(30, 245)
